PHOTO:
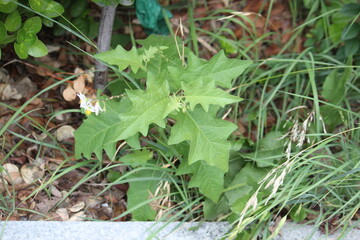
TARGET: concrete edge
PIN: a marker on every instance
(46, 230)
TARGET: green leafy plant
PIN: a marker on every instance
(23, 34)
(339, 30)
(178, 107)
(77, 13)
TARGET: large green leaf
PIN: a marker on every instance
(219, 68)
(212, 210)
(334, 85)
(244, 184)
(207, 136)
(148, 107)
(198, 92)
(137, 157)
(122, 58)
(352, 46)
(99, 132)
(53, 9)
(122, 120)
(269, 149)
(158, 41)
(350, 9)
(32, 25)
(351, 31)
(209, 179)
(3, 33)
(163, 53)
(38, 49)
(142, 186)
(13, 21)
(39, 5)
(8, 7)
(21, 50)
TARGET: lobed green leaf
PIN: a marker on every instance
(207, 136)
(122, 58)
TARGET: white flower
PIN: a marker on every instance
(97, 108)
(89, 105)
(84, 101)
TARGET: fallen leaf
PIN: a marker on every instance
(79, 84)
(69, 94)
(64, 132)
(119, 209)
(11, 174)
(55, 192)
(25, 86)
(77, 207)
(3, 186)
(93, 202)
(78, 216)
(24, 193)
(31, 173)
(78, 70)
(45, 204)
(53, 216)
(63, 213)
(8, 92)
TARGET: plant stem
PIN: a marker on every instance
(104, 38)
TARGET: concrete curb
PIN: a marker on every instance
(43, 230)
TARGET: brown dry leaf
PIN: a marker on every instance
(89, 76)
(78, 216)
(35, 104)
(63, 57)
(78, 70)
(46, 204)
(119, 209)
(53, 216)
(25, 86)
(93, 202)
(69, 180)
(64, 132)
(255, 5)
(19, 160)
(77, 207)
(11, 174)
(63, 213)
(43, 71)
(79, 84)
(8, 92)
(24, 193)
(31, 173)
(69, 94)
(3, 186)
(55, 192)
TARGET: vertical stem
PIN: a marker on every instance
(104, 39)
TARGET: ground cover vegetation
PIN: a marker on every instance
(244, 111)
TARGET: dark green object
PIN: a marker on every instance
(150, 14)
